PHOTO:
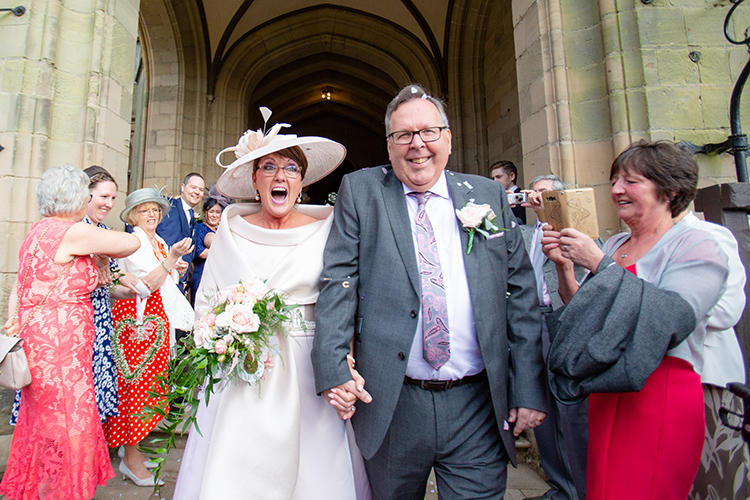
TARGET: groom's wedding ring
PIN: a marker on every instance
(540, 420)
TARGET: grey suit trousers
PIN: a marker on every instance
(563, 443)
(454, 431)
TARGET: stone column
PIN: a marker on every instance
(65, 96)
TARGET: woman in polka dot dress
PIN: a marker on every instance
(141, 339)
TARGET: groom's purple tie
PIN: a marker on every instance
(436, 347)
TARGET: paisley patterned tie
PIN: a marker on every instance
(435, 333)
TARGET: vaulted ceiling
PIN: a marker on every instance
(327, 67)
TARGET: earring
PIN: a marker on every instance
(299, 198)
(257, 197)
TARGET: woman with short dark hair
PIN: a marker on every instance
(631, 335)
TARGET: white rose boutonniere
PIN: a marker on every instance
(478, 218)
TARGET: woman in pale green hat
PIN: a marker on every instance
(143, 329)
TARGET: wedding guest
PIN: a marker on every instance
(505, 172)
(639, 352)
(563, 437)
(179, 223)
(725, 461)
(58, 448)
(204, 235)
(144, 329)
(103, 191)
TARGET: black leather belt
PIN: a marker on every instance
(444, 385)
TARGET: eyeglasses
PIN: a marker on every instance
(145, 211)
(292, 171)
(404, 137)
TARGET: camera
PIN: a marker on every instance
(517, 198)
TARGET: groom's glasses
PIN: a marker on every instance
(404, 137)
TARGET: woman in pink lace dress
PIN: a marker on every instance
(58, 449)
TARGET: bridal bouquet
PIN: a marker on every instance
(234, 341)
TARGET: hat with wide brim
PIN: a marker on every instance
(145, 195)
(323, 156)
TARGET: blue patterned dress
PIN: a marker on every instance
(105, 369)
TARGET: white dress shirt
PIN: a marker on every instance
(186, 208)
(537, 260)
(466, 357)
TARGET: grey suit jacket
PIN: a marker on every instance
(370, 290)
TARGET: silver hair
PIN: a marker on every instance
(409, 93)
(557, 184)
(62, 190)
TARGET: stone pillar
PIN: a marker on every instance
(66, 96)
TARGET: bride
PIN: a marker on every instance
(286, 443)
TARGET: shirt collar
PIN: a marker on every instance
(439, 189)
(185, 206)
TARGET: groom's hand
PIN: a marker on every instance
(343, 396)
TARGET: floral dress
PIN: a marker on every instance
(105, 370)
(58, 449)
(142, 355)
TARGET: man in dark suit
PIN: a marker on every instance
(505, 172)
(563, 437)
(397, 265)
(179, 222)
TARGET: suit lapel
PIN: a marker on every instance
(461, 193)
(395, 207)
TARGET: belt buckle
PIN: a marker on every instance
(449, 384)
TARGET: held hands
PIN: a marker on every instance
(571, 245)
(525, 418)
(102, 269)
(343, 396)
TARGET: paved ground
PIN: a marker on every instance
(522, 482)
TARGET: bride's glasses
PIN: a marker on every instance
(292, 170)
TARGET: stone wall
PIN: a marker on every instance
(66, 94)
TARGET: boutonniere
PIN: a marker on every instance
(478, 219)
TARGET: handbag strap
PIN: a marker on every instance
(26, 274)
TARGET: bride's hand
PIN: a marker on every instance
(343, 397)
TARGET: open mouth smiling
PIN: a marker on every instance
(418, 161)
(279, 194)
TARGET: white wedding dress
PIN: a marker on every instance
(282, 442)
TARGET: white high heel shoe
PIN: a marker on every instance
(149, 481)
(147, 464)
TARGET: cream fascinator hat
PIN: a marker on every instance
(323, 156)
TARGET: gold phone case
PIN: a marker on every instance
(571, 208)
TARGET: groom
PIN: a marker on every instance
(396, 266)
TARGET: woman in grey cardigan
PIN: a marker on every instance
(631, 335)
